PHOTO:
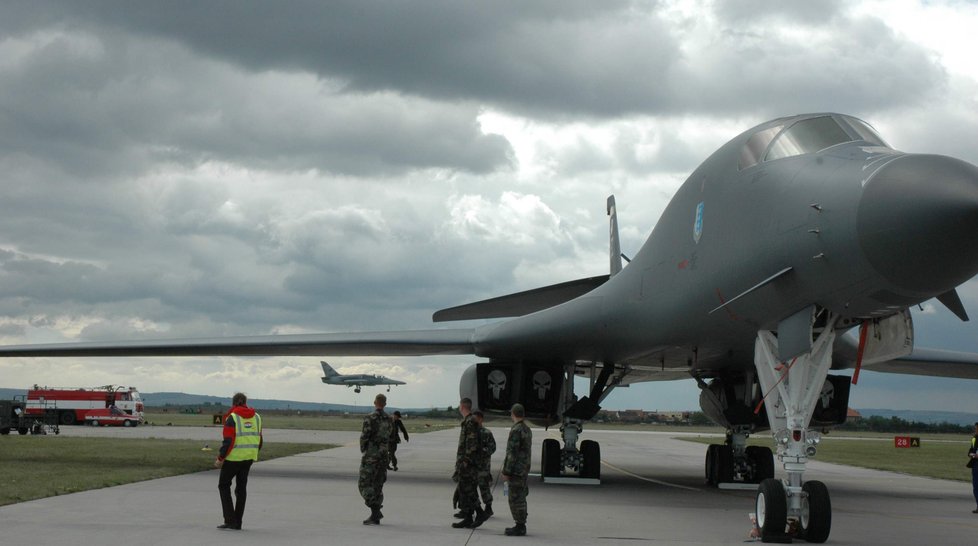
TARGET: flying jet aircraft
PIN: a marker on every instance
(796, 249)
(356, 380)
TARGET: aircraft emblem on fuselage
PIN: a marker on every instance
(698, 223)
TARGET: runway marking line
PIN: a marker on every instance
(643, 478)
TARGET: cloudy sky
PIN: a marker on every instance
(186, 169)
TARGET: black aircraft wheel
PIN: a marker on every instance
(724, 464)
(591, 467)
(711, 464)
(5, 431)
(762, 462)
(550, 458)
(22, 431)
(771, 507)
(67, 418)
(816, 512)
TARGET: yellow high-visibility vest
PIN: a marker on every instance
(247, 438)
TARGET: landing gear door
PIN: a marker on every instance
(541, 390)
(889, 338)
(496, 387)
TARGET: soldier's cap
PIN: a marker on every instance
(518, 410)
(397, 413)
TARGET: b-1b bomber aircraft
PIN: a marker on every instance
(795, 250)
(356, 381)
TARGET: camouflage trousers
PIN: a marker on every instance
(485, 485)
(373, 474)
(468, 489)
(518, 491)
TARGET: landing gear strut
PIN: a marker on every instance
(792, 390)
(586, 460)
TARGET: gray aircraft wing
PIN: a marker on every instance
(405, 343)
(920, 361)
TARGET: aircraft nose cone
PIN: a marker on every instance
(918, 222)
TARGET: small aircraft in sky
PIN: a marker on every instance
(356, 380)
(798, 248)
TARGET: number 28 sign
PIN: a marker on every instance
(905, 441)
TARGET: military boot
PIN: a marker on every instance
(374, 518)
(480, 517)
(465, 522)
(517, 530)
(488, 510)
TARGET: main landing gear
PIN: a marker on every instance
(793, 508)
(557, 462)
(735, 461)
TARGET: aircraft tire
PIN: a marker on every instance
(771, 507)
(22, 431)
(762, 461)
(816, 512)
(5, 431)
(711, 464)
(591, 465)
(550, 458)
(724, 464)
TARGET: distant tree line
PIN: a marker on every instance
(878, 423)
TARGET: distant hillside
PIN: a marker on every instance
(922, 416)
(158, 399)
(161, 399)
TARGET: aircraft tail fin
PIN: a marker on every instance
(328, 370)
(615, 250)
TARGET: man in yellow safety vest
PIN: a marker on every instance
(242, 440)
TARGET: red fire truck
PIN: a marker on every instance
(73, 405)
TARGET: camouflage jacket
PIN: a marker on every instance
(376, 435)
(488, 443)
(518, 448)
(469, 443)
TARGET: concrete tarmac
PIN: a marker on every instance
(652, 491)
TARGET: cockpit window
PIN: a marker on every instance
(807, 136)
(865, 132)
(753, 150)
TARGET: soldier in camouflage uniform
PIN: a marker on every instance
(485, 462)
(374, 444)
(516, 467)
(467, 469)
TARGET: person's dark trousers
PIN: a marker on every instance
(974, 481)
(237, 471)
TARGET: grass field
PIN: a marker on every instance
(44, 466)
(299, 422)
(944, 459)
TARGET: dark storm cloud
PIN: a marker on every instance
(95, 103)
(554, 59)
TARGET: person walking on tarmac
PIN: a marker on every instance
(516, 467)
(485, 462)
(973, 464)
(398, 425)
(242, 441)
(467, 469)
(375, 440)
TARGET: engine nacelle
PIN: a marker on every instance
(495, 386)
(729, 403)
